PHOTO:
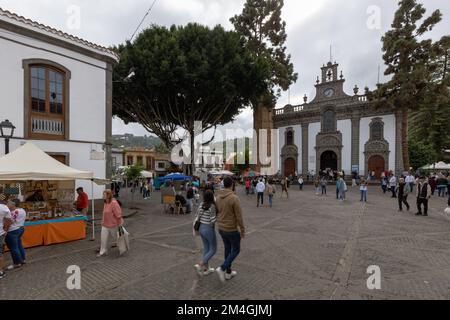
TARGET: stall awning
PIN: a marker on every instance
(31, 163)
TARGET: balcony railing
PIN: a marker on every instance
(47, 126)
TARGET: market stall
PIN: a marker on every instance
(46, 188)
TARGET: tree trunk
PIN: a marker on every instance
(405, 148)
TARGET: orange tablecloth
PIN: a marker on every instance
(54, 231)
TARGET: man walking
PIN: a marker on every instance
(231, 228)
(260, 188)
(393, 185)
(423, 194)
(301, 183)
(411, 181)
(403, 190)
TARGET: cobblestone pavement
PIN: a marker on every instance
(307, 247)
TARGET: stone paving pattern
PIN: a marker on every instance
(307, 247)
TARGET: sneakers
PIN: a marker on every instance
(209, 271)
(221, 274)
(12, 267)
(2, 275)
(199, 270)
(229, 276)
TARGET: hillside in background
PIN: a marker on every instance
(131, 141)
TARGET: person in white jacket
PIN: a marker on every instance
(260, 188)
(393, 185)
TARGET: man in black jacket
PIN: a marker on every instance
(423, 194)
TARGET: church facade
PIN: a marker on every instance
(337, 131)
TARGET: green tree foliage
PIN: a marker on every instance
(186, 74)
(430, 123)
(161, 148)
(133, 173)
(421, 154)
(261, 25)
(410, 60)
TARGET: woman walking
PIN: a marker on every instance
(284, 187)
(112, 220)
(270, 192)
(323, 185)
(363, 190)
(207, 216)
(14, 236)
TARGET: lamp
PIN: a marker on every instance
(7, 132)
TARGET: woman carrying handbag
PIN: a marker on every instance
(204, 225)
(111, 222)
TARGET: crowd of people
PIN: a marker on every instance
(417, 185)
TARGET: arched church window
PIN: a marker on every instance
(289, 138)
(329, 121)
(377, 131)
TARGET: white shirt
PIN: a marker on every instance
(4, 213)
(18, 217)
(300, 181)
(260, 187)
(393, 181)
(410, 179)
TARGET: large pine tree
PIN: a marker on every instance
(430, 122)
(409, 57)
(261, 25)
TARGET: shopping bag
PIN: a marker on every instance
(123, 241)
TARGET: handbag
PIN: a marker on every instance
(123, 241)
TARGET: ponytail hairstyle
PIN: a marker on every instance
(208, 200)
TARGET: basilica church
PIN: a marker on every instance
(337, 131)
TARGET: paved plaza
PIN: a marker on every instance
(307, 247)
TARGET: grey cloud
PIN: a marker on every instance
(341, 23)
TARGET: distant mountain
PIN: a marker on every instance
(132, 141)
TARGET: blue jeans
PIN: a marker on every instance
(441, 191)
(324, 190)
(271, 200)
(232, 245)
(208, 234)
(14, 242)
(363, 195)
(260, 196)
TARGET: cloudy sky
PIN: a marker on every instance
(352, 27)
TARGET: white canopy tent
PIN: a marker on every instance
(222, 173)
(31, 163)
(437, 166)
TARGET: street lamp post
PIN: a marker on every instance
(7, 132)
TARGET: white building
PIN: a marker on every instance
(57, 90)
(337, 131)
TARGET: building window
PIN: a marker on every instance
(129, 160)
(140, 161)
(161, 165)
(114, 162)
(377, 131)
(150, 163)
(329, 121)
(46, 100)
(289, 138)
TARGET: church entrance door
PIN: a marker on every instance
(376, 164)
(329, 160)
(289, 167)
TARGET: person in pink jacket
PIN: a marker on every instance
(111, 221)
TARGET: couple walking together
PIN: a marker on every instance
(226, 211)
